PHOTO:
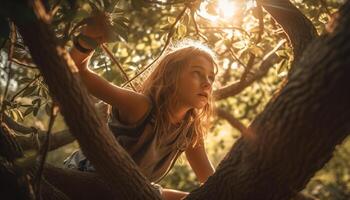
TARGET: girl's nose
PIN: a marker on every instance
(206, 82)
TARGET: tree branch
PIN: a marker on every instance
(95, 139)
(167, 42)
(297, 27)
(297, 132)
(231, 120)
(57, 139)
(237, 87)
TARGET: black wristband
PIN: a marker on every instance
(80, 48)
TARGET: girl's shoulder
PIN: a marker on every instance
(116, 123)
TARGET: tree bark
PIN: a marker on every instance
(297, 27)
(293, 138)
(96, 141)
(297, 132)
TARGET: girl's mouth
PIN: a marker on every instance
(203, 94)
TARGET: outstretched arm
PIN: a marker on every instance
(199, 161)
(132, 106)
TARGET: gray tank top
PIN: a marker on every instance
(154, 155)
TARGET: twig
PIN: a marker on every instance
(19, 92)
(104, 47)
(9, 67)
(236, 58)
(236, 87)
(55, 8)
(23, 64)
(249, 67)
(168, 3)
(44, 151)
(231, 120)
(261, 23)
(224, 27)
(170, 34)
(17, 127)
(196, 27)
(58, 139)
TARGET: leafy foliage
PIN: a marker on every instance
(139, 32)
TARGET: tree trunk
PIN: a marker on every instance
(95, 139)
(297, 132)
(293, 138)
(297, 27)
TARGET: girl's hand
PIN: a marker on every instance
(97, 29)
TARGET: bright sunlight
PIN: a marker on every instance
(226, 8)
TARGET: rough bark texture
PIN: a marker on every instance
(293, 137)
(297, 132)
(297, 27)
(98, 144)
(57, 139)
(79, 185)
(50, 192)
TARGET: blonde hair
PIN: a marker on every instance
(161, 87)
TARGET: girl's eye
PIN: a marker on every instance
(197, 73)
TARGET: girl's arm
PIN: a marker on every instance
(132, 106)
(198, 159)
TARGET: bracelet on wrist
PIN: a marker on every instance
(87, 40)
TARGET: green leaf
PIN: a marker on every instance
(19, 114)
(35, 111)
(165, 27)
(121, 31)
(30, 90)
(282, 67)
(48, 108)
(45, 93)
(28, 111)
(171, 20)
(37, 102)
(256, 50)
(123, 20)
(118, 10)
(24, 80)
(181, 30)
(239, 44)
(282, 53)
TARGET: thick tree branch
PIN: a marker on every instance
(96, 141)
(231, 120)
(297, 132)
(57, 140)
(297, 27)
(237, 87)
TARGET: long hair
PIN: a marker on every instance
(162, 87)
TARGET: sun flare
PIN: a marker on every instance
(226, 8)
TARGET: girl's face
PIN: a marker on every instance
(195, 83)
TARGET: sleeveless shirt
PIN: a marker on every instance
(154, 155)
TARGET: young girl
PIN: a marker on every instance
(165, 118)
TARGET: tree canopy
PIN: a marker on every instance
(269, 89)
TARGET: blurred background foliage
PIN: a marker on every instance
(235, 29)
